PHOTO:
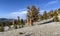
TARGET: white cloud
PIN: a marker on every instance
(22, 14)
(41, 11)
(52, 2)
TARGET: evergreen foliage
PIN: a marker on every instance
(55, 13)
(41, 17)
(58, 11)
(1, 27)
(22, 22)
(8, 24)
(15, 24)
(51, 14)
(45, 15)
(19, 22)
(33, 13)
(56, 19)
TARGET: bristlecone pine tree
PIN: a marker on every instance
(22, 22)
(19, 22)
(41, 17)
(32, 14)
(15, 24)
(55, 17)
(8, 24)
(50, 14)
(55, 13)
(1, 27)
(45, 15)
(58, 11)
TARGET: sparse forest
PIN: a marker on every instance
(33, 15)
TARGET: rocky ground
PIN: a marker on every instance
(49, 29)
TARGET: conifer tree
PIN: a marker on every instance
(50, 14)
(8, 24)
(1, 24)
(41, 17)
(56, 16)
(56, 19)
(19, 23)
(15, 24)
(58, 11)
(32, 14)
(45, 15)
(55, 13)
(1, 27)
(22, 22)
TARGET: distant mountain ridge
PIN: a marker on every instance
(5, 19)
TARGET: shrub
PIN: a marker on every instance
(21, 33)
(56, 19)
(1, 29)
(15, 27)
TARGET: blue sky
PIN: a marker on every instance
(14, 8)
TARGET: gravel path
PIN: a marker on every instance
(49, 29)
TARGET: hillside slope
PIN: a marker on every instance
(49, 29)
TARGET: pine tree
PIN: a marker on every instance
(1, 24)
(19, 23)
(56, 16)
(15, 24)
(35, 13)
(32, 14)
(8, 24)
(50, 14)
(58, 11)
(40, 17)
(1, 27)
(22, 22)
(55, 13)
(56, 19)
(45, 15)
